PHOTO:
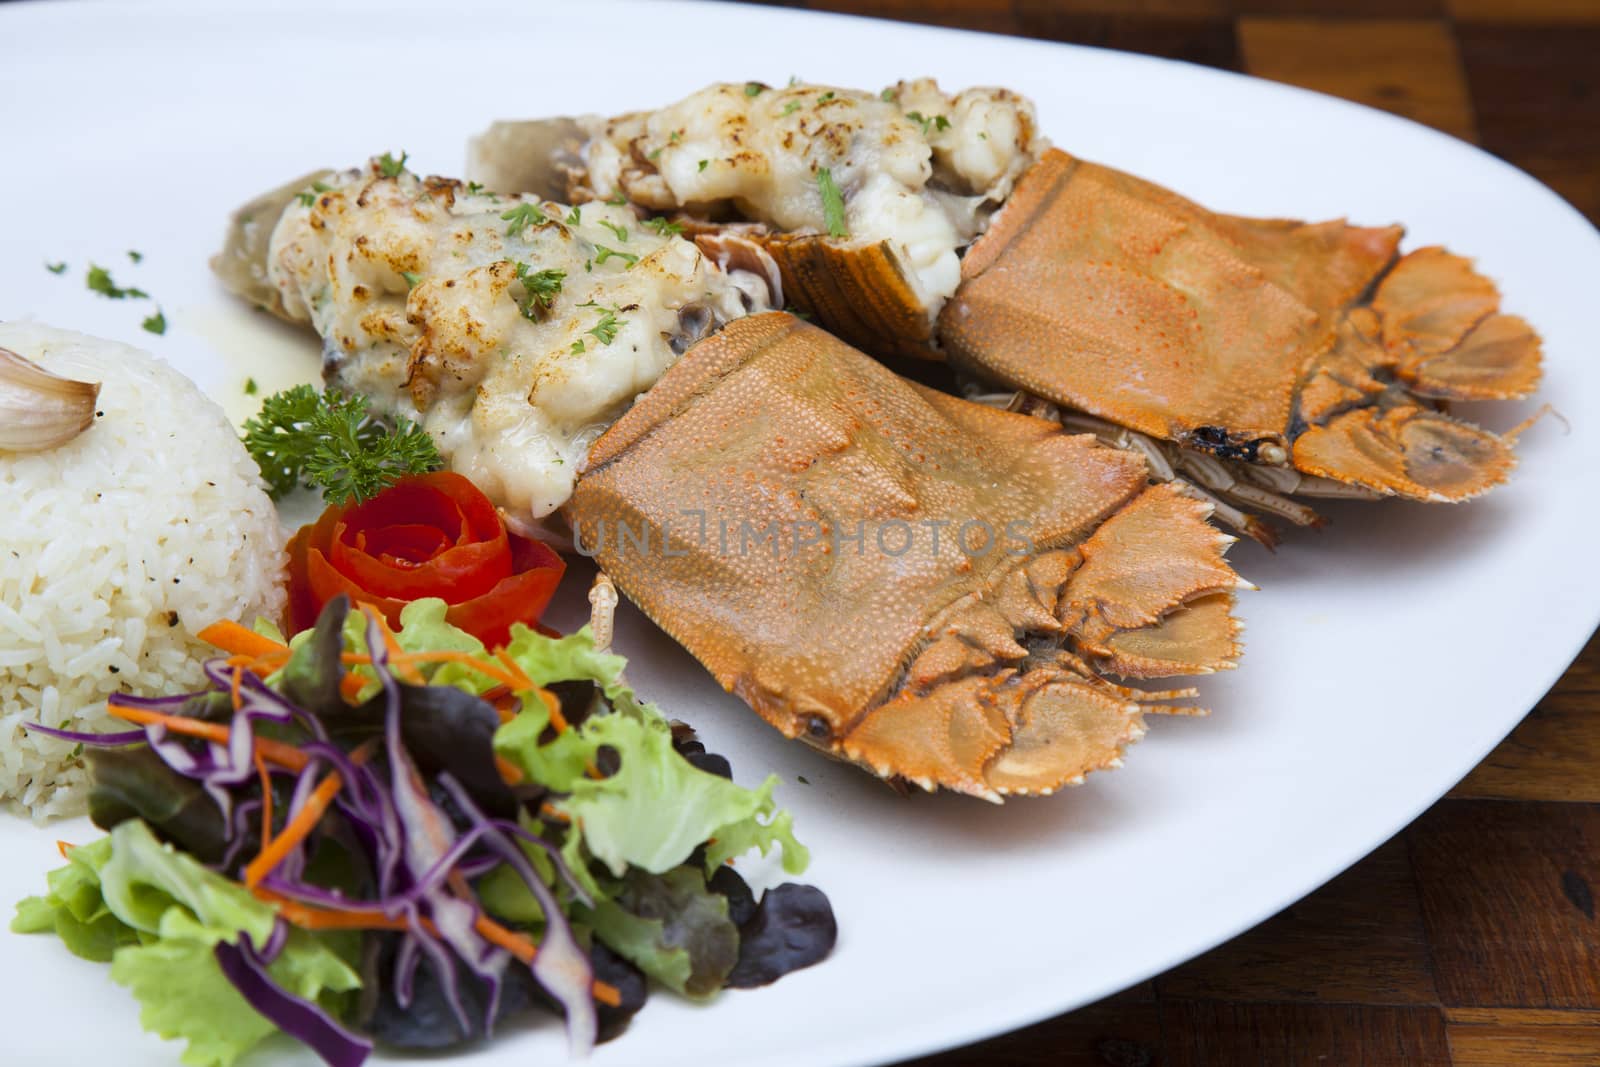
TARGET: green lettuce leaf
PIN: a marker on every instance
(658, 806)
(671, 927)
(73, 909)
(156, 914)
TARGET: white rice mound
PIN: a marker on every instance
(115, 548)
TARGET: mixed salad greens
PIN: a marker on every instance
(374, 835)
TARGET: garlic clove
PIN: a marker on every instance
(40, 410)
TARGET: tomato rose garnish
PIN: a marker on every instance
(428, 535)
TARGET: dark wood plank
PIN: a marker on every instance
(1496, 1037)
(1120, 1031)
(1555, 753)
(1407, 66)
(1555, 11)
(1343, 8)
(1536, 93)
(1200, 1033)
(985, 15)
(1508, 899)
(1194, 38)
(1360, 939)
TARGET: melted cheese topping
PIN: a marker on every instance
(427, 296)
(916, 166)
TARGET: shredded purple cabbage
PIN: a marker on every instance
(295, 1016)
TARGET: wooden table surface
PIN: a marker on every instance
(1471, 938)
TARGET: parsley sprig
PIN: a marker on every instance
(333, 442)
(539, 289)
(391, 167)
(521, 217)
(99, 281)
(832, 204)
(937, 122)
(602, 253)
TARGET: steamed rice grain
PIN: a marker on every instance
(115, 549)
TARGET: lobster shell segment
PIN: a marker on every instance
(931, 588)
(1108, 294)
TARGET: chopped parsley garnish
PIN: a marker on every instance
(539, 289)
(655, 155)
(250, 387)
(888, 96)
(99, 281)
(602, 253)
(604, 331)
(753, 89)
(574, 216)
(664, 227)
(825, 97)
(938, 122)
(137, 257)
(474, 188)
(790, 108)
(675, 136)
(56, 268)
(703, 164)
(309, 197)
(333, 442)
(577, 348)
(156, 323)
(832, 204)
(797, 313)
(618, 198)
(620, 231)
(412, 278)
(521, 217)
(391, 167)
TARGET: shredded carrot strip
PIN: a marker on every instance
(510, 773)
(233, 688)
(266, 798)
(231, 637)
(553, 704)
(549, 812)
(397, 655)
(64, 847)
(523, 681)
(276, 751)
(310, 918)
(294, 831)
(350, 687)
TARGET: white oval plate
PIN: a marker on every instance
(1387, 654)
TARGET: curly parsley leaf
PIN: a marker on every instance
(521, 217)
(602, 253)
(99, 281)
(391, 167)
(333, 442)
(539, 289)
(604, 331)
(832, 204)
